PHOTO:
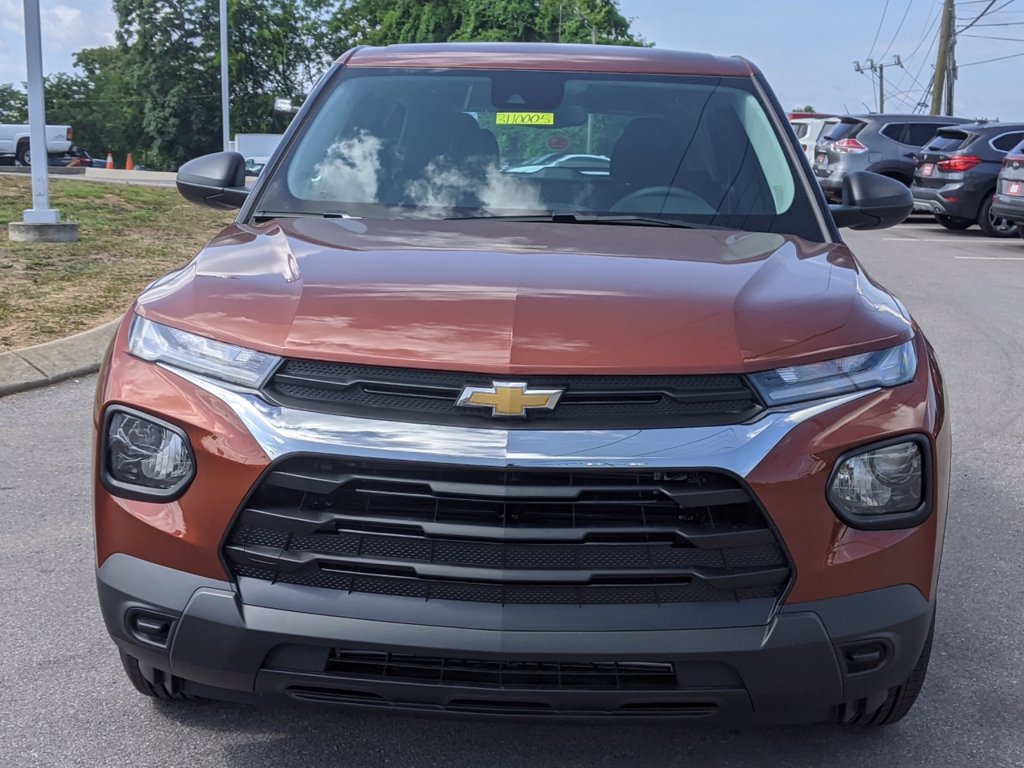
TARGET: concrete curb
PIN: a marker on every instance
(55, 361)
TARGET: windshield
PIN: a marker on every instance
(389, 143)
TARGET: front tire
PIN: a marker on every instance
(899, 700)
(954, 223)
(995, 226)
(166, 687)
(22, 154)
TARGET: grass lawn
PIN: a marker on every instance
(129, 236)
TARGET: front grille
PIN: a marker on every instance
(553, 675)
(590, 402)
(507, 536)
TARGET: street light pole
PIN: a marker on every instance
(40, 223)
(41, 213)
(225, 108)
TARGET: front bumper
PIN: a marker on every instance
(795, 669)
(786, 663)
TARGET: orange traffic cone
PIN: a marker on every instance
(129, 164)
(110, 161)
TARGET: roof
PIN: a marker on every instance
(987, 126)
(550, 56)
(868, 116)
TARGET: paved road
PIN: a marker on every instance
(64, 702)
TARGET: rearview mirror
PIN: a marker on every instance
(216, 181)
(872, 201)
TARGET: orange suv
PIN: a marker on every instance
(417, 432)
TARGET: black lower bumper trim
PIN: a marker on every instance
(796, 668)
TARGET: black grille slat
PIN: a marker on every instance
(590, 401)
(511, 536)
(307, 521)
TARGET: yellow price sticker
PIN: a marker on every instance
(526, 118)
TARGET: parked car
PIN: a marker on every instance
(1006, 203)
(75, 157)
(14, 141)
(588, 165)
(957, 173)
(809, 128)
(416, 434)
(884, 144)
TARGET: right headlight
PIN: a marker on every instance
(795, 383)
(218, 359)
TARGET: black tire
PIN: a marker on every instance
(953, 222)
(1020, 230)
(22, 154)
(900, 699)
(167, 686)
(995, 226)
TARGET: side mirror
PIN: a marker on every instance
(872, 201)
(216, 181)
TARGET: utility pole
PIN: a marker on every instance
(40, 223)
(951, 74)
(942, 60)
(225, 107)
(872, 66)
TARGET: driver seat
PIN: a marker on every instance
(650, 153)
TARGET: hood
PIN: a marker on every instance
(513, 297)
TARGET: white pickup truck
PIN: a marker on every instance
(14, 141)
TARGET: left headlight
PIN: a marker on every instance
(884, 368)
(884, 485)
(199, 354)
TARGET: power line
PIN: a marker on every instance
(985, 12)
(979, 17)
(878, 31)
(993, 37)
(989, 61)
(910, 4)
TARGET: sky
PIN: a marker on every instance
(806, 49)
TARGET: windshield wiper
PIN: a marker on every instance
(579, 217)
(303, 215)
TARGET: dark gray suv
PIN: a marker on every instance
(957, 176)
(884, 144)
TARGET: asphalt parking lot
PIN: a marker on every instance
(65, 702)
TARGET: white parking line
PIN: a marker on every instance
(961, 241)
(992, 258)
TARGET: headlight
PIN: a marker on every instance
(885, 368)
(180, 349)
(883, 486)
(144, 457)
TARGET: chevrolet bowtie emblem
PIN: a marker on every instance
(509, 398)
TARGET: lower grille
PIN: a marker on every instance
(507, 536)
(602, 675)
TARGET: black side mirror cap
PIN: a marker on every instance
(872, 201)
(216, 181)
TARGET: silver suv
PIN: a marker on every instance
(884, 144)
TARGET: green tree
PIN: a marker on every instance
(384, 22)
(98, 103)
(172, 65)
(13, 104)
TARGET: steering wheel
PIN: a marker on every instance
(663, 200)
